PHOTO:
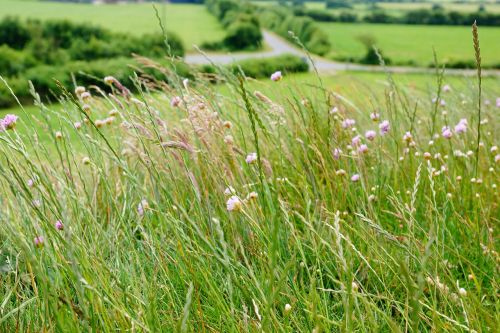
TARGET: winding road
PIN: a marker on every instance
(279, 46)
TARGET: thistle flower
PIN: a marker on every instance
(384, 127)
(446, 132)
(276, 76)
(446, 88)
(375, 116)
(461, 127)
(355, 177)
(59, 225)
(348, 123)
(370, 135)
(233, 204)
(175, 101)
(38, 241)
(251, 158)
(427, 156)
(8, 122)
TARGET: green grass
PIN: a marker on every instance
(152, 243)
(192, 23)
(409, 43)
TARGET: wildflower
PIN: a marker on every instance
(427, 156)
(461, 127)
(85, 95)
(375, 116)
(59, 225)
(336, 153)
(408, 137)
(446, 88)
(99, 123)
(363, 149)
(113, 112)
(252, 196)
(9, 122)
(497, 158)
(30, 183)
(79, 90)
(446, 132)
(175, 101)
(384, 127)
(372, 197)
(227, 124)
(251, 158)
(142, 207)
(288, 308)
(462, 292)
(498, 102)
(334, 110)
(356, 140)
(233, 204)
(370, 135)
(109, 120)
(38, 241)
(355, 177)
(229, 190)
(59, 135)
(276, 76)
(493, 149)
(86, 161)
(340, 172)
(348, 123)
(86, 108)
(77, 125)
(109, 80)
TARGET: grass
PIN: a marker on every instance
(192, 23)
(409, 43)
(170, 224)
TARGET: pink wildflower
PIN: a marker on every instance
(348, 123)
(251, 158)
(276, 76)
(336, 153)
(59, 225)
(38, 241)
(175, 101)
(356, 140)
(461, 127)
(355, 177)
(446, 88)
(384, 127)
(9, 122)
(233, 204)
(446, 132)
(374, 116)
(363, 149)
(370, 135)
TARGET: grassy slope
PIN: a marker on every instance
(191, 22)
(403, 43)
(388, 251)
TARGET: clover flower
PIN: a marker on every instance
(461, 127)
(355, 177)
(59, 225)
(8, 122)
(446, 132)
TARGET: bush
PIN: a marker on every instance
(13, 33)
(13, 62)
(243, 36)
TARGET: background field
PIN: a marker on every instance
(409, 43)
(192, 23)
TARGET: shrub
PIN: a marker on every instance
(243, 36)
(260, 68)
(14, 33)
(13, 62)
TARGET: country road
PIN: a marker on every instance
(279, 46)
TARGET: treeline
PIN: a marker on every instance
(418, 16)
(243, 31)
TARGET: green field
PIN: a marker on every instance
(192, 23)
(404, 43)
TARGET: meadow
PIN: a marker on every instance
(413, 44)
(192, 23)
(276, 205)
